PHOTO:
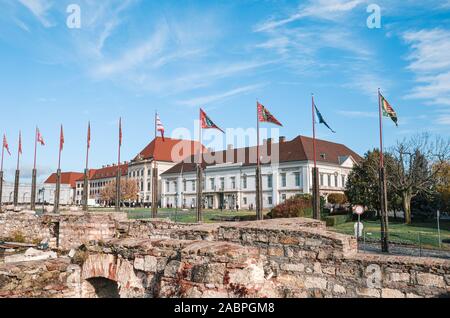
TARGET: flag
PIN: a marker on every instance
(322, 120)
(160, 126)
(20, 142)
(5, 145)
(89, 136)
(265, 116)
(206, 122)
(39, 138)
(388, 111)
(120, 132)
(61, 139)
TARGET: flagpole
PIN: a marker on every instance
(58, 173)
(155, 175)
(34, 174)
(118, 185)
(86, 171)
(16, 181)
(259, 214)
(200, 172)
(1, 173)
(383, 186)
(315, 174)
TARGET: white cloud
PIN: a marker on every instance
(322, 9)
(429, 61)
(204, 100)
(40, 9)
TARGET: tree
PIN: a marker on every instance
(337, 198)
(443, 185)
(128, 190)
(412, 173)
(363, 186)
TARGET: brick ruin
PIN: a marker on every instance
(107, 255)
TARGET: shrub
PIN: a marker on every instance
(18, 237)
(297, 206)
(337, 219)
(337, 198)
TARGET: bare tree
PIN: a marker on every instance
(413, 171)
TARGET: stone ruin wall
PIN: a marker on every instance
(273, 258)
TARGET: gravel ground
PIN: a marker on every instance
(396, 249)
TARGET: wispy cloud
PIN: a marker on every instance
(204, 100)
(323, 9)
(40, 10)
(429, 61)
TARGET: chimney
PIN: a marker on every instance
(282, 139)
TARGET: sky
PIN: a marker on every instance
(130, 58)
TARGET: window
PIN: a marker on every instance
(222, 183)
(321, 179)
(343, 181)
(270, 182)
(283, 197)
(297, 179)
(233, 183)
(245, 201)
(142, 186)
(244, 183)
(175, 184)
(336, 181)
(167, 186)
(283, 180)
(193, 185)
(184, 186)
(269, 199)
(212, 183)
(149, 186)
(329, 180)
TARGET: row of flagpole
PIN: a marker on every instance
(263, 115)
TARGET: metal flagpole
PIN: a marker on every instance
(17, 178)
(155, 176)
(58, 173)
(259, 212)
(86, 171)
(1, 174)
(200, 174)
(383, 196)
(119, 173)
(315, 174)
(34, 174)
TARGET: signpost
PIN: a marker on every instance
(439, 228)
(358, 210)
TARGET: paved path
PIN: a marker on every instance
(405, 250)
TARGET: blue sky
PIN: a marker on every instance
(132, 57)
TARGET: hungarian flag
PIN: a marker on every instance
(61, 139)
(266, 117)
(160, 126)
(207, 123)
(5, 145)
(322, 120)
(387, 109)
(120, 132)
(20, 142)
(89, 136)
(39, 138)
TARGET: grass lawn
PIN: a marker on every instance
(402, 233)
(209, 216)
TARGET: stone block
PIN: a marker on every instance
(399, 277)
(369, 292)
(315, 282)
(292, 267)
(430, 280)
(339, 289)
(391, 293)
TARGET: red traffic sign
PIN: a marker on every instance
(359, 209)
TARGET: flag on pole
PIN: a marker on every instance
(61, 139)
(265, 116)
(5, 144)
(160, 126)
(20, 142)
(120, 132)
(89, 136)
(207, 123)
(322, 120)
(39, 138)
(388, 111)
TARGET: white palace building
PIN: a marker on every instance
(229, 175)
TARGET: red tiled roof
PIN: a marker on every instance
(160, 150)
(66, 178)
(298, 149)
(91, 174)
(109, 172)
